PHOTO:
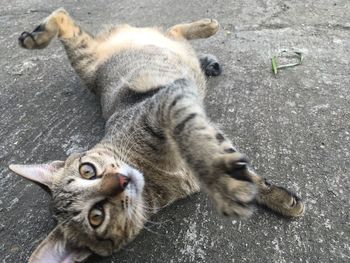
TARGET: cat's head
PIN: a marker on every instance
(98, 204)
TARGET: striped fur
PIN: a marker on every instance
(151, 85)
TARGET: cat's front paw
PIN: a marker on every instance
(232, 189)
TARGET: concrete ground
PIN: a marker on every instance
(295, 127)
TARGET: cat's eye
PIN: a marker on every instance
(87, 171)
(96, 215)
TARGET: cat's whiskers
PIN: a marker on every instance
(138, 217)
(151, 231)
(142, 221)
(158, 223)
(153, 210)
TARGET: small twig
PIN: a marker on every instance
(276, 67)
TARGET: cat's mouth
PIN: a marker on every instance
(136, 183)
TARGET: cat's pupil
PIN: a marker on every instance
(87, 171)
(96, 217)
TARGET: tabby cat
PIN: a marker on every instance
(159, 144)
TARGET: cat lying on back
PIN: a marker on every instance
(159, 144)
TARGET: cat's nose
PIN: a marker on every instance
(113, 184)
(123, 181)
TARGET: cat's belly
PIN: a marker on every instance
(126, 38)
(141, 71)
(148, 57)
(144, 69)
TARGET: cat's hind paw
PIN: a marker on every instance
(210, 65)
(282, 201)
(42, 35)
(26, 40)
(38, 39)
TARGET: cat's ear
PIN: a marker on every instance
(39, 173)
(54, 249)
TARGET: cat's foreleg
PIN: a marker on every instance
(223, 172)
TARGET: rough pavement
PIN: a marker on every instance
(294, 127)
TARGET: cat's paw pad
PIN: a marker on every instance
(213, 69)
(26, 40)
(39, 38)
(233, 191)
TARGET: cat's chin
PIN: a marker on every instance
(137, 181)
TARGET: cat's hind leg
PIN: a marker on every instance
(80, 45)
(58, 23)
(203, 28)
